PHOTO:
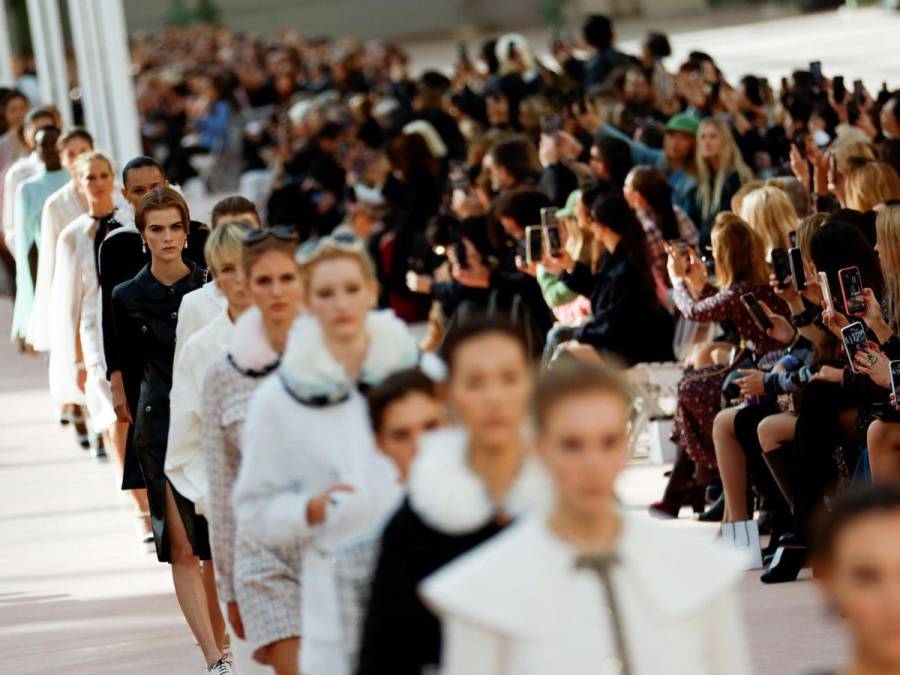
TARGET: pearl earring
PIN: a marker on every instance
(185, 244)
(144, 246)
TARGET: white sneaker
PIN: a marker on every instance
(221, 667)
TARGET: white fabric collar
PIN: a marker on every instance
(310, 372)
(249, 346)
(449, 496)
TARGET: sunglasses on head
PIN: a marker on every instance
(342, 240)
(281, 232)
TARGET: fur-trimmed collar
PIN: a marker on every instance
(310, 372)
(449, 496)
(249, 349)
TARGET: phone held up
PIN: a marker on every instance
(781, 265)
(550, 225)
(855, 341)
(757, 313)
(797, 271)
(826, 291)
(852, 290)
(895, 379)
(534, 244)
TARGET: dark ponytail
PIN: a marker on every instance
(651, 184)
(612, 211)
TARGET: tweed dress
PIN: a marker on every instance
(263, 580)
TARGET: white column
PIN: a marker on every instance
(104, 71)
(6, 61)
(50, 55)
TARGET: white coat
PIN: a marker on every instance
(198, 309)
(60, 209)
(308, 429)
(20, 171)
(75, 314)
(517, 605)
(185, 463)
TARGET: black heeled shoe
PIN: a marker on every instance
(715, 512)
(785, 565)
(670, 505)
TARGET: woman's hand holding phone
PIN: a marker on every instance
(835, 321)
(813, 291)
(556, 266)
(873, 316)
(875, 364)
(475, 274)
(677, 263)
(782, 329)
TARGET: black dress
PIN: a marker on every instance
(400, 636)
(144, 314)
(120, 256)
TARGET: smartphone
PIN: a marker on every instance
(855, 341)
(534, 244)
(458, 175)
(550, 124)
(895, 379)
(815, 67)
(797, 271)
(757, 313)
(858, 94)
(852, 290)
(826, 291)
(462, 256)
(838, 91)
(781, 266)
(550, 224)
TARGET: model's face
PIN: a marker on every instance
(140, 181)
(274, 286)
(863, 580)
(402, 425)
(165, 234)
(340, 296)
(230, 280)
(46, 140)
(16, 109)
(710, 142)
(584, 445)
(678, 146)
(98, 181)
(248, 217)
(72, 150)
(490, 387)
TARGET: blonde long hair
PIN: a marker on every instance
(769, 211)
(871, 184)
(887, 229)
(710, 191)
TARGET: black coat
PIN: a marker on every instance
(119, 258)
(400, 636)
(627, 319)
(145, 314)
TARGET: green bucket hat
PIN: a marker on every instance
(683, 122)
(569, 210)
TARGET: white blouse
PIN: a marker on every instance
(198, 309)
(185, 463)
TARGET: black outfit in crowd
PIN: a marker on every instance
(620, 301)
(145, 314)
(597, 68)
(119, 258)
(695, 211)
(400, 636)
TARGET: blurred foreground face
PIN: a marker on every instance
(402, 425)
(490, 387)
(863, 580)
(274, 286)
(340, 297)
(584, 445)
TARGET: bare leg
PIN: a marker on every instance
(188, 579)
(732, 465)
(212, 600)
(284, 656)
(883, 439)
(776, 430)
